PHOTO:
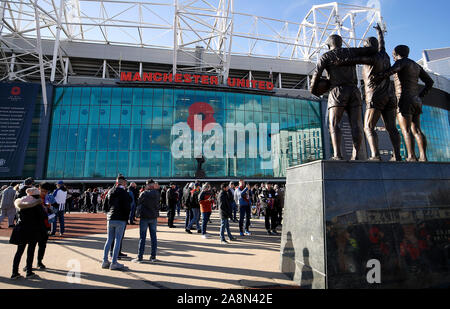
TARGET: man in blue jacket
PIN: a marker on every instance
(242, 196)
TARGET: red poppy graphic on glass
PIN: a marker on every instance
(205, 114)
(15, 91)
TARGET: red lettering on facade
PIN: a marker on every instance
(188, 78)
(178, 78)
(262, 85)
(269, 86)
(240, 83)
(147, 77)
(205, 80)
(137, 77)
(230, 83)
(197, 78)
(125, 76)
(168, 77)
(157, 77)
(254, 83)
(214, 80)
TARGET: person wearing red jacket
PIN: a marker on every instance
(205, 200)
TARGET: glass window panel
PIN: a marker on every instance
(249, 117)
(297, 106)
(155, 164)
(275, 118)
(144, 165)
(115, 115)
(133, 168)
(94, 114)
(146, 138)
(82, 137)
(159, 139)
(274, 104)
(168, 116)
(265, 104)
(57, 114)
(79, 165)
(158, 97)
(127, 96)
(116, 96)
(86, 96)
(240, 102)
(125, 115)
(137, 115)
(72, 138)
(51, 164)
(96, 96)
(74, 114)
(65, 115)
(106, 96)
(291, 121)
(266, 118)
(69, 165)
(181, 114)
(100, 164)
(113, 139)
(76, 96)
(231, 101)
(168, 97)
(157, 115)
(257, 105)
(283, 105)
(257, 117)
(62, 138)
(104, 114)
(103, 134)
(84, 115)
(59, 164)
(67, 99)
(148, 97)
(124, 141)
(138, 94)
(122, 166)
(240, 116)
(89, 168)
(165, 168)
(54, 138)
(147, 115)
(111, 165)
(230, 116)
(59, 96)
(135, 138)
(249, 102)
(92, 138)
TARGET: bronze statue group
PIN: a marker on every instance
(404, 103)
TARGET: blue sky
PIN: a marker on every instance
(421, 24)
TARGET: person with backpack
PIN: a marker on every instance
(171, 202)
(267, 200)
(60, 196)
(185, 200)
(7, 205)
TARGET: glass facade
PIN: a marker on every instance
(98, 132)
(435, 124)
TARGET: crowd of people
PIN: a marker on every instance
(34, 211)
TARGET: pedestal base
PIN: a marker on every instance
(353, 224)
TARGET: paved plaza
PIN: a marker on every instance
(184, 261)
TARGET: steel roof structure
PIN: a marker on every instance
(198, 34)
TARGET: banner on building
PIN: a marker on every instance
(17, 104)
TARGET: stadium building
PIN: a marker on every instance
(90, 89)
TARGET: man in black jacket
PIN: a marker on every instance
(148, 211)
(186, 203)
(267, 200)
(226, 213)
(171, 201)
(119, 202)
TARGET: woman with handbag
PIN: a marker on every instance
(29, 230)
